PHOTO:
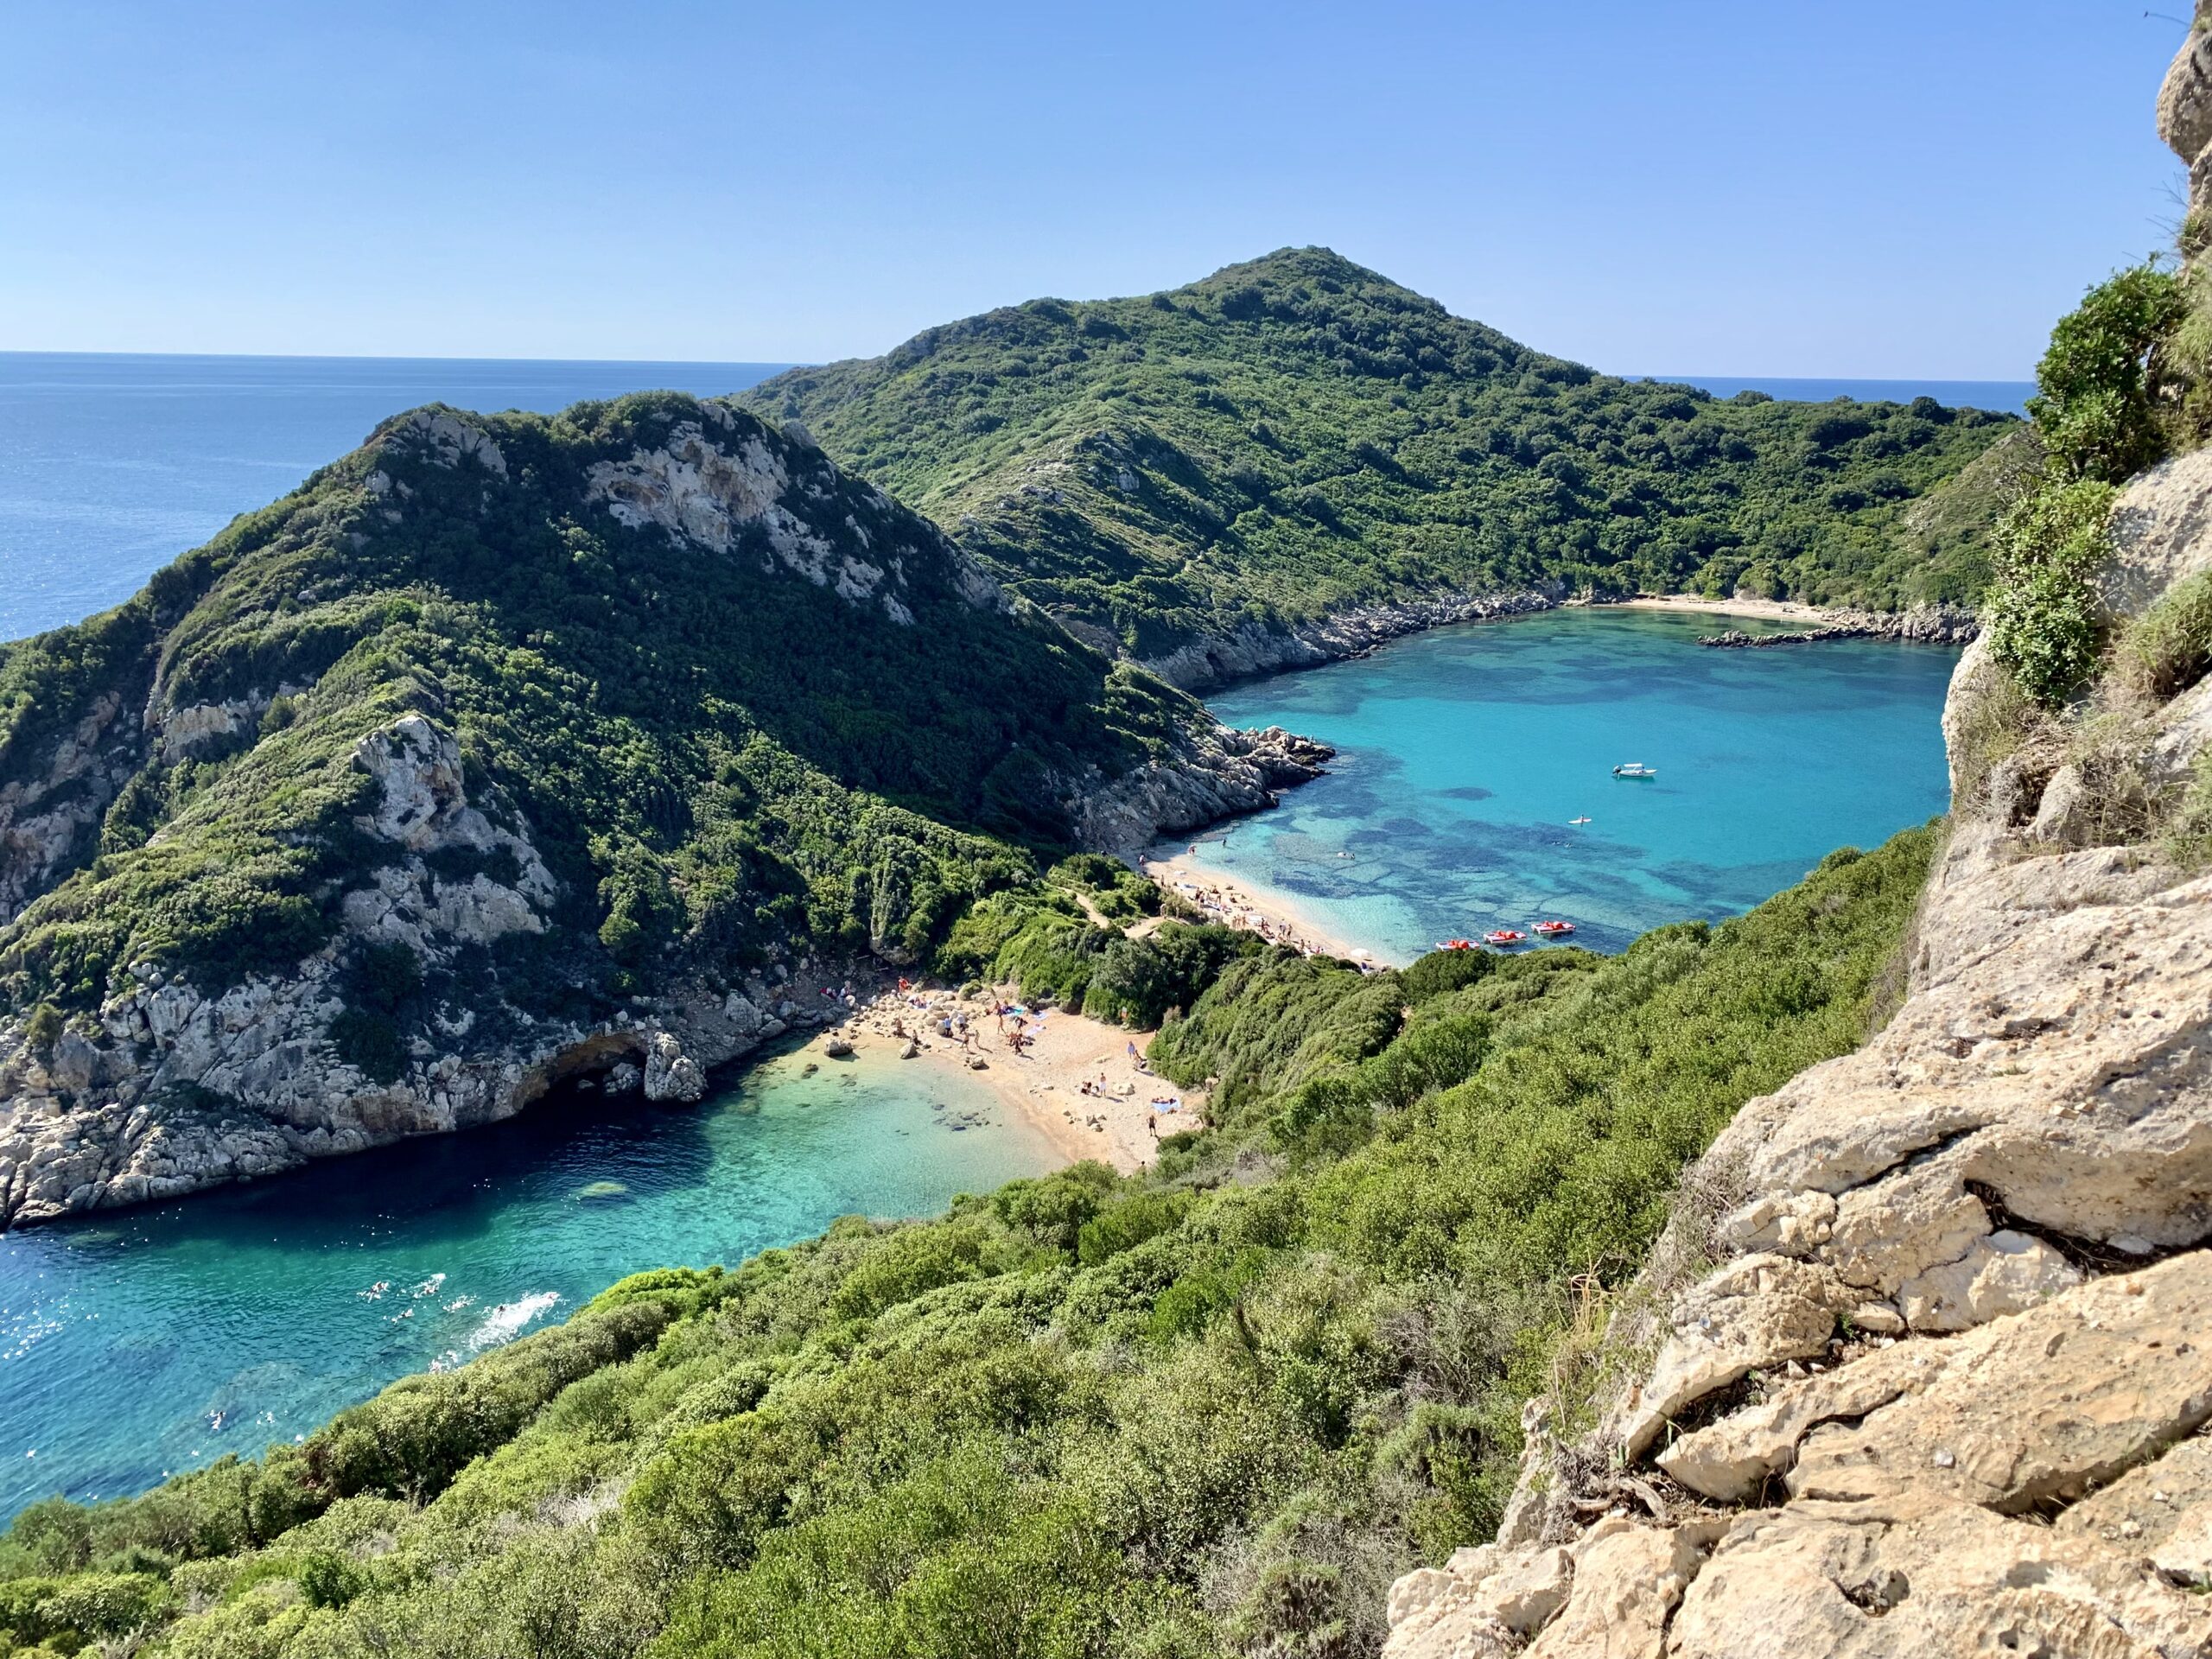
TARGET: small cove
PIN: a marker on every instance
(1465, 752)
(149, 1342)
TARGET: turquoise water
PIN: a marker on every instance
(1465, 751)
(155, 1340)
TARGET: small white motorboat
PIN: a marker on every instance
(1585, 819)
(1635, 769)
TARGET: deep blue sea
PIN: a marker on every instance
(155, 1340)
(111, 466)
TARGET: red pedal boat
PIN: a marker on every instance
(1555, 930)
(1505, 936)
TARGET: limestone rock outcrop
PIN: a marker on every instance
(715, 484)
(670, 1074)
(2185, 115)
(50, 819)
(1213, 774)
(181, 1088)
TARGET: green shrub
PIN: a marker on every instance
(2097, 411)
(1054, 1208)
(43, 1029)
(2169, 647)
(1128, 1224)
(2043, 618)
(2096, 403)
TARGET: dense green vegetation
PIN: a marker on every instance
(714, 755)
(1213, 1409)
(2102, 415)
(1059, 942)
(1296, 435)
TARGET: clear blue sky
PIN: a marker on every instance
(1890, 188)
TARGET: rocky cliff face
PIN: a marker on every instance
(182, 1090)
(1923, 1365)
(50, 816)
(1212, 775)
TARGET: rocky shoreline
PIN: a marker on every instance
(1258, 648)
(1924, 625)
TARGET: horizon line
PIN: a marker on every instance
(776, 362)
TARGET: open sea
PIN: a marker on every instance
(111, 466)
(153, 1340)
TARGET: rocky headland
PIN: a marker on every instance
(1934, 625)
(1271, 647)
(415, 953)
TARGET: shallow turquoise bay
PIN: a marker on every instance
(1463, 754)
(153, 1341)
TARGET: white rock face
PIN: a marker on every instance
(445, 438)
(2161, 531)
(50, 819)
(713, 482)
(670, 1074)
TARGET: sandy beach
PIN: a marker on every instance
(1116, 1122)
(1270, 915)
(1771, 610)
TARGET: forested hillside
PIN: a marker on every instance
(1211, 1409)
(712, 721)
(1298, 434)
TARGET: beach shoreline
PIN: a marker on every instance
(1770, 610)
(1224, 899)
(1116, 1122)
